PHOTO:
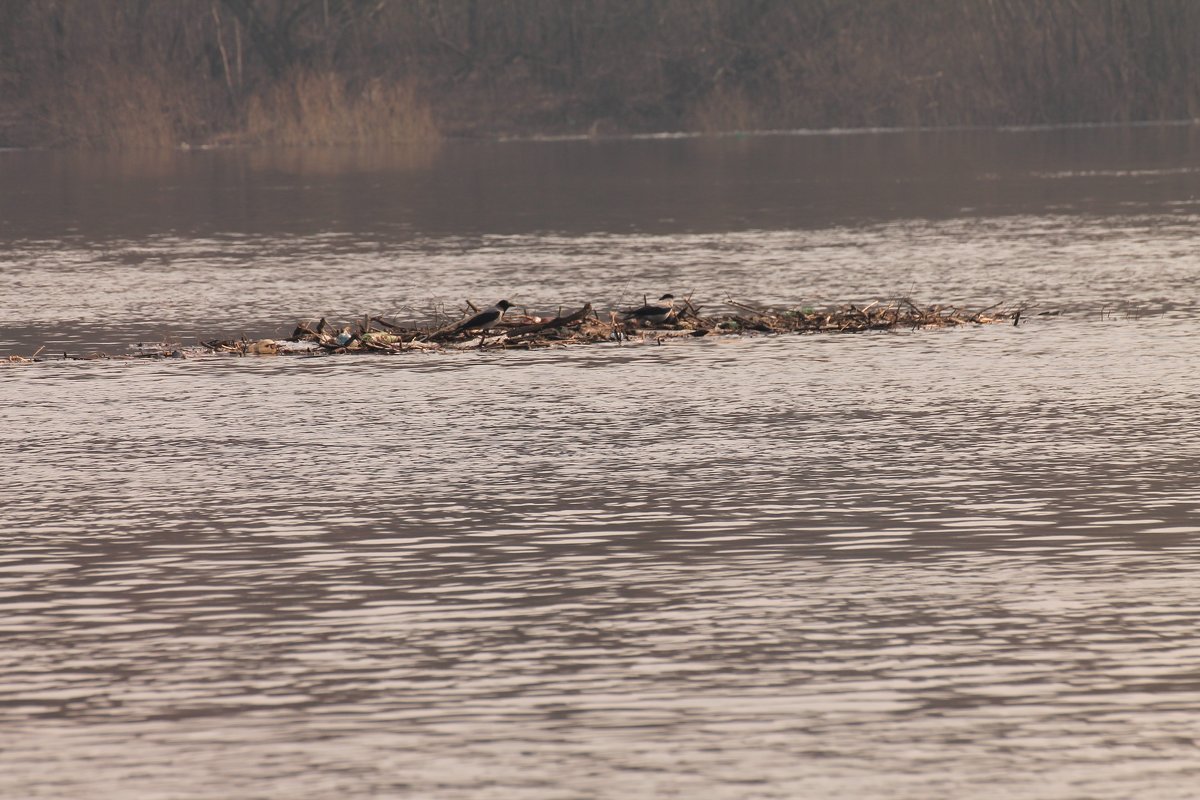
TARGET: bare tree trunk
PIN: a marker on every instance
(216, 15)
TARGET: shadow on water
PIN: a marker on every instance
(466, 188)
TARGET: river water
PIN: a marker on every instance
(952, 563)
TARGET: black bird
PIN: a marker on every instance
(655, 313)
(485, 319)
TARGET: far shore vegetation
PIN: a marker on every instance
(141, 74)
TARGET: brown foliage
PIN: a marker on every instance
(130, 73)
(319, 108)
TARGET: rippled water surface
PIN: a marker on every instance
(954, 563)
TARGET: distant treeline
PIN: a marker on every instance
(152, 73)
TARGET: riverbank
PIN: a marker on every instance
(126, 75)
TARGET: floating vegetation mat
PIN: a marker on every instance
(518, 329)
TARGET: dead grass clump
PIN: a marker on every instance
(725, 109)
(115, 107)
(322, 108)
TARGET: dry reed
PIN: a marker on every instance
(131, 73)
(311, 108)
(116, 108)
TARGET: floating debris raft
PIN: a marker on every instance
(373, 334)
(584, 325)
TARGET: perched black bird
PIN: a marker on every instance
(485, 319)
(655, 313)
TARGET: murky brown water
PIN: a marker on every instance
(922, 564)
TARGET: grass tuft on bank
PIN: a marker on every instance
(322, 108)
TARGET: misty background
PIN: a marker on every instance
(137, 74)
